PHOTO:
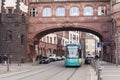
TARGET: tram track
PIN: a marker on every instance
(56, 74)
(31, 73)
(72, 74)
(23, 72)
(67, 75)
(54, 71)
(51, 76)
(39, 72)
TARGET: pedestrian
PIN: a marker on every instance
(96, 57)
(5, 58)
(37, 57)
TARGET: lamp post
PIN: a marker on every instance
(116, 51)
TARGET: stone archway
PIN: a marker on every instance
(95, 24)
(41, 33)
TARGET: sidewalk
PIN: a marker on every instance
(16, 68)
(110, 71)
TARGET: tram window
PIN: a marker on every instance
(72, 52)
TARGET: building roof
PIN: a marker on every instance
(71, 1)
(81, 0)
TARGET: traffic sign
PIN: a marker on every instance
(100, 45)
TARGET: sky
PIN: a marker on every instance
(12, 3)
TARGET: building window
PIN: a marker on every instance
(22, 39)
(60, 11)
(74, 37)
(50, 39)
(44, 39)
(54, 40)
(47, 12)
(88, 11)
(77, 38)
(9, 37)
(63, 42)
(23, 18)
(70, 36)
(47, 39)
(34, 12)
(102, 11)
(9, 13)
(74, 11)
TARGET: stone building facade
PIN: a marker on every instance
(13, 27)
(115, 14)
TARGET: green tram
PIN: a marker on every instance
(73, 54)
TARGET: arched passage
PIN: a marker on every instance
(42, 33)
(47, 31)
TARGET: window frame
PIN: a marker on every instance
(90, 11)
(58, 12)
(45, 12)
(72, 12)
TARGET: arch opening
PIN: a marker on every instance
(39, 35)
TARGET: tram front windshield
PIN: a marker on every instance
(72, 52)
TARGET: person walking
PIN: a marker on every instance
(5, 58)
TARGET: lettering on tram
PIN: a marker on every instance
(73, 54)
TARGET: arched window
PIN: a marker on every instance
(55, 40)
(47, 39)
(60, 11)
(88, 11)
(51, 40)
(74, 11)
(47, 12)
(102, 11)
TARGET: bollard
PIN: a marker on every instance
(8, 65)
(99, 73)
